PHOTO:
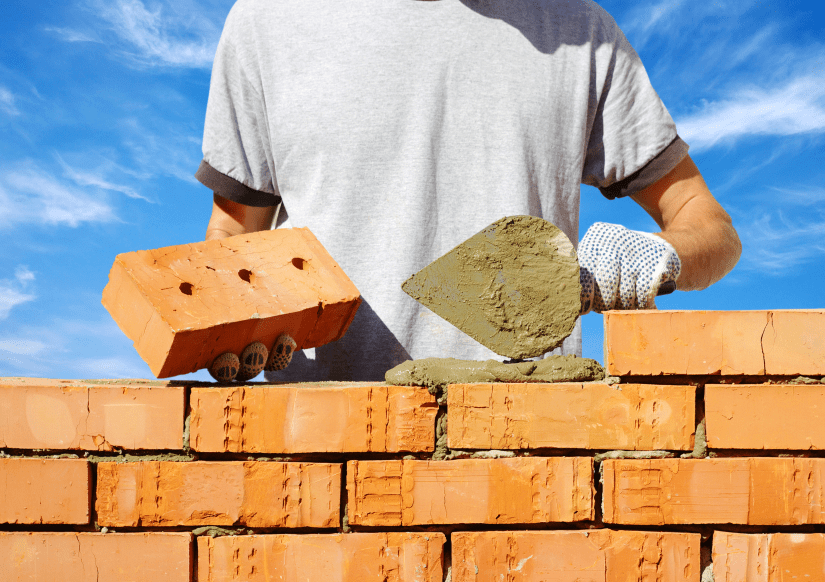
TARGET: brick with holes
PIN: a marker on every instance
(185, 305)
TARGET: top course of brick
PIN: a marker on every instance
(182, 306)
(717, 343)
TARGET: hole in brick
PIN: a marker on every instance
(186, 288)
(299, 263)
(245, 275)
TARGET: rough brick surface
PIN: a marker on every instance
(255, 494)
(183, 306)
(45, 414)
(357, 557)
(580, 556)
(768, 557)
(313, 419)
(643, 343)
(765, 416)
(45, 491)
(582, 416)
(515, 490)
(94, 557)
(753, 491)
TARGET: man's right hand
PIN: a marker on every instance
(231, 218)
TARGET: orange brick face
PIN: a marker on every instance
(357, 557)
(585, 416)
(765, 416)
(255, 494)
(645, 343)
(596, 555)
(54, 491)
(94, 557)
(753, 491)
(313, 419)
(517, 490)
(172, 302)
(768, 557)
(76, 415)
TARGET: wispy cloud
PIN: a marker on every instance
(14, 292)
(775, 245)
(170, 33)
(71, 35)
(7, 102)
(22, 347)
(29, 195)
(98, 180)
(796, 107)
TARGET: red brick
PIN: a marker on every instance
(183, 306)
(649, 343)
(94, 557)
(255, 494)
(71, 414)
(576, 416)
(340, 418)
(356, 557)
(752, 491)
(768, 557)
(515, 490)
(765, 416)
(586, 556)
(45, 491)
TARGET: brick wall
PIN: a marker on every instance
(699, 457)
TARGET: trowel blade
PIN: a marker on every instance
(513, 287)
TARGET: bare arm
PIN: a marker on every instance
(695, 224)
(230, 218)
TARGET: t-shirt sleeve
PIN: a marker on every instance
(633, 140)
(237, 160)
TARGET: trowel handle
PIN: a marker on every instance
(666, 288)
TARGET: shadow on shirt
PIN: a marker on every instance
(547, 25)
(367, 350)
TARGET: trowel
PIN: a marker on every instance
(513, 287)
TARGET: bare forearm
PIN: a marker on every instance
(708, 249)
(695, 224)
(230, 218)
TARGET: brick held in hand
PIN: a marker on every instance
(183, 306)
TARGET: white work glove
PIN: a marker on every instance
(624, 269)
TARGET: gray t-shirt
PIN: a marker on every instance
(395, 129)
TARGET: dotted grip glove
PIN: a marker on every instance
(624, 269)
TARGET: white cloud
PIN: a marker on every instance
(797, 107)
(7, 102)
(29, 195)
(11, 298)
(96, 179)
(14, 293)
(775, 245)
(22, 347)
(159, 35)
(71, 35)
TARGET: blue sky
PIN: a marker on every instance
(101, 113)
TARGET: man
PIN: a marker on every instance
(395, 129)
